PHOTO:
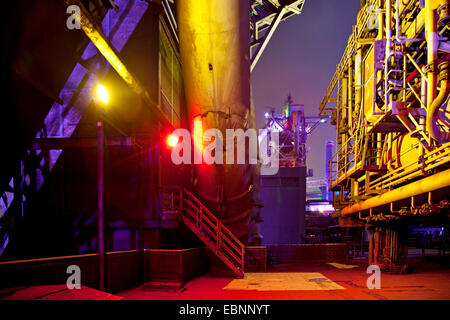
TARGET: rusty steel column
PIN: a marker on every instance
(214, 46)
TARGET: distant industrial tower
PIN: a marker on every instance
(284, 194)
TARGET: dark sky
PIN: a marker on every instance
(302, 58)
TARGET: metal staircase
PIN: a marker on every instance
(180, 204)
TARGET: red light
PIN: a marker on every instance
(172, 141)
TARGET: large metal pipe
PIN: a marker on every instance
(380, 21)
(428, 184)
(388, 27)
(397, 20)
(214, 46)
(433, 102)
(433, 110)
(350, 97)
(432, 49)
(344, 99)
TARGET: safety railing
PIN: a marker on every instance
(431, 160)
(200, 220)
(353, 156)
(342, 162)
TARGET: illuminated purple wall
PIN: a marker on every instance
(283, 196)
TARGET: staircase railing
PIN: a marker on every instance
(197, 217)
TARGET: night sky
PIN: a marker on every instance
(302, 58)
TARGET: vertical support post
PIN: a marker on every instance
(350, 96)
(361, 247)
(380, 21)
(358, 98)
(358, 77)
(390, 240)
(379, 153)
(376, 249)
(140, 245)
(344, 106)
(243, 259)
(100, 204)
(388, 51)
(181, 201)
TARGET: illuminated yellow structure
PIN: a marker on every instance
(393, 131)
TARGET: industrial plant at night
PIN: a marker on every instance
(192, 150)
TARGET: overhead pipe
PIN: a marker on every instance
(435, 182)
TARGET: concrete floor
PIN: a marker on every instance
(309, 282)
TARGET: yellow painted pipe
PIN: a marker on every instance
(350, 95)
(432, 112)
(344, 100)
(358, 77)
(428, 184)
(380, 21)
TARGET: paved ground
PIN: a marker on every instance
(54, 292)
(333, 281)
(309, 282)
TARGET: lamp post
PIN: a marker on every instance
(101, 99)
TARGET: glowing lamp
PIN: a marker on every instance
(102, 94)
(172, 141)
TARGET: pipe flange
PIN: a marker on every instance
(444, 70)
